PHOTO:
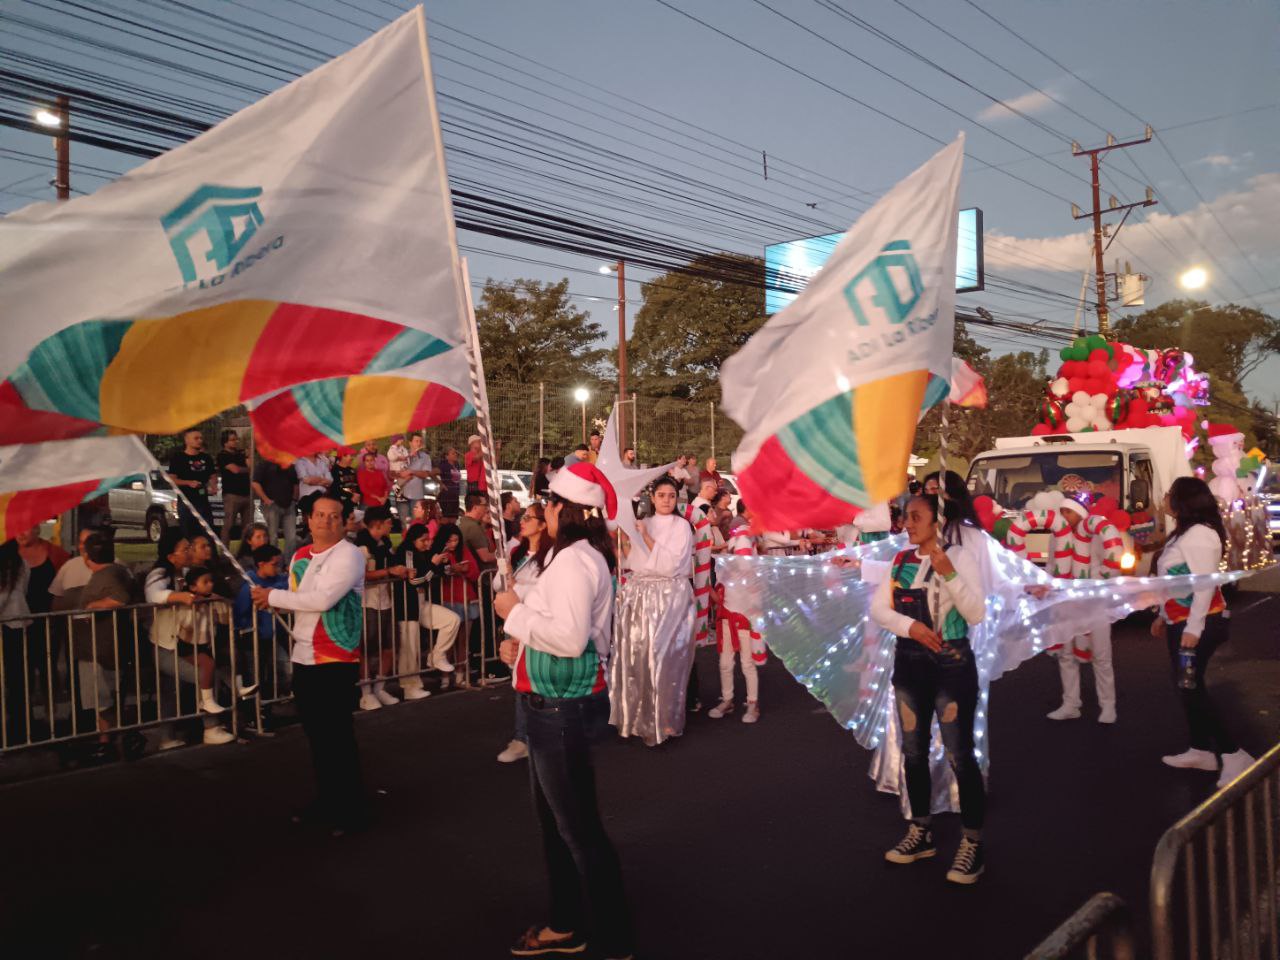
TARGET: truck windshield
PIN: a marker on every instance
(158, 481)
(1269, 483)
(1013, 480)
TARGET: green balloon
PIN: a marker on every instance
(1066, 353)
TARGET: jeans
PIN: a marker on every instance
(522, 724)
(281, 522)
(1208, 732)
(326, 695)
(187, 520)
(925, 683)
(582, 864)
(237, 511)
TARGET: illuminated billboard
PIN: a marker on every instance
(789, 266)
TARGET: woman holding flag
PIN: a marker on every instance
(559, 633)
(930, 599)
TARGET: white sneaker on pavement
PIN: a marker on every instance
(1233, 764)
(1193, 759)
(442, 664)
(369, 702)
(218, 735)
(752, 713)
(516, 750)
(1107, 715)
(386, 699)
(415, 693)
(721, 709)
(1064, 712)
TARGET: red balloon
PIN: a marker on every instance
(1039, 430)
(1097, 370)
(1120, 520)
(986, 510)
(1104, 507)
(1098, 356)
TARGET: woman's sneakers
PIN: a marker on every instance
(1233, 764)
(721, 709)
(1193, 759)
(916, 845)
(516, 750)
(968, 864)
(544, 942)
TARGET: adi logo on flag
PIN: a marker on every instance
(890, 284)
(219, 220)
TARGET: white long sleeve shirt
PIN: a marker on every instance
(325, 591)
(672, 552)
(569, 606)
(962, 592)
(1197, 551)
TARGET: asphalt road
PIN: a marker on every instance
(737, 841)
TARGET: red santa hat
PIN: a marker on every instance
(584, 483)
(1219, 430)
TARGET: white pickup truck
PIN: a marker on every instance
(1133, 467)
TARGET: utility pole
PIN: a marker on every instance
(1100, 275)
(63, 140)
(621, 267)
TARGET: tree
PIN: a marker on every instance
(691, 322)
(1015, 386)
(529, 332)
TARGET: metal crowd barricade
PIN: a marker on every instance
(1100, 930)
(1214, 887)
(71, 674)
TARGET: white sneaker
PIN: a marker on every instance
(516, 750)
(249, 691)
(369, 702)
(752, 713)
(1107, 715)
(386, 699)
(415, 693)
(1064, 712)
(721, 709)
(1193, 759)
(1233, 764)
(218, 735)
(442, 664)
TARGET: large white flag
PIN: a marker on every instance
(300, 250)
(829, 390)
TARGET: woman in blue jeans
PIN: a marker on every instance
(559, 631)
(933, 594)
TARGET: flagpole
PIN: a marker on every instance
(484, 425)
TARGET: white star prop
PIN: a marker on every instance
(627, 482)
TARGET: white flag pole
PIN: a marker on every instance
(484, 427)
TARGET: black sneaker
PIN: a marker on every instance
(969, 862)
(916, 845)
(530, 944)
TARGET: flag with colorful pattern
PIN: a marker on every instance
(299, 258)
(828, 392)
(38, 481)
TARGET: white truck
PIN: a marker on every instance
(1133, 467)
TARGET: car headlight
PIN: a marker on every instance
(171, 508)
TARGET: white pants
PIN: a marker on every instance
(445, 623)
(1104, 677)
(97, 686)
(748, 667)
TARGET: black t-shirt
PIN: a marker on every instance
(236, 484)
(276, 481)
(193, 466)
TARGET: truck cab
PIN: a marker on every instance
(1133, 467)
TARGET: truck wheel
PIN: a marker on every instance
(155, 526)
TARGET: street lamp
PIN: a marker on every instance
(582, 395)
(1194, 279)
(57, 120)
(620, 267)
(47, 118)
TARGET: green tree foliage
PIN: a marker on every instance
(530, 333)
(692, 322)
(1015, 386)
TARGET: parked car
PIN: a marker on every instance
(148, 504)
(519, 482)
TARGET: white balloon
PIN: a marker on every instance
(1079, 397)
(1059, 387)
(1100, 400)
(1076, 424)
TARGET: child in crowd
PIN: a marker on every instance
(734, 634)
(198, 631)
(267, 562)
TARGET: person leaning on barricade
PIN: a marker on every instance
(265, 570)
(326, 582)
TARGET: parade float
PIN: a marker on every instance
(1120, 423)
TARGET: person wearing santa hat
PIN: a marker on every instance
(559, 632)
(653, 645)
(1095, 646)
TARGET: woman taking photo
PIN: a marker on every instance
(933, 594)
(1194, 627)
(528, 560)
(653, 653)
(559, 632)
(455, 573)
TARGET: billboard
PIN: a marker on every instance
(789, 265)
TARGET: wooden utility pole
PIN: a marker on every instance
(63, 141)
(621, 267)
(1100, 275)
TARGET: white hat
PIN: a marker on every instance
(474, 438)
(584, 483)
